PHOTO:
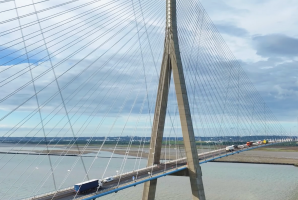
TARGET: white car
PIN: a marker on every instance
(230, 148)
(109, 179)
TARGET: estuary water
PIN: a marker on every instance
(227, 181)
(28, 175)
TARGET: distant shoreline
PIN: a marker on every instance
(266, 163)
(119, 153)
(277, 155)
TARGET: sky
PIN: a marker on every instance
(263, 37)
(106, 56)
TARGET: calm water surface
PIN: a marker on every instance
(27, 175)
(225, 181)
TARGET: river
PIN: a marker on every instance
(26, 175)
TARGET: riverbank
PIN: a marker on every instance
(267, 155)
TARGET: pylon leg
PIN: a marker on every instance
(149, 190)
(194, 169)
(158, 124)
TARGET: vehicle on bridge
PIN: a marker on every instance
(230, 148)
(236, 146)
(109, 179)
(249, 144)
(240, 146)
(87, 186)
(260, 142)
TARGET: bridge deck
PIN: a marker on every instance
(124, 181)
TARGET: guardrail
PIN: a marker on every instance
(118, 176)
(49, 194)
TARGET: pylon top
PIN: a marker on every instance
(169, 14)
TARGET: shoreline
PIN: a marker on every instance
(272, 155)
(266, 163)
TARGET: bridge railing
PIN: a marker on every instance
(49, 193)
(138, 170)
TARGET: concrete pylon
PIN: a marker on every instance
(172, 62)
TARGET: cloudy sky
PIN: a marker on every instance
(106, 56)
(263, 37)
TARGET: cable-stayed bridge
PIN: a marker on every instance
(84, 69)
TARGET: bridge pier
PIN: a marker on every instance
(181, 173)
(172, 62)
(149, 189)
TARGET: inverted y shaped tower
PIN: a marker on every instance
(172, 62)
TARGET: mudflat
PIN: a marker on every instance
(265, 155)
(268, 155)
